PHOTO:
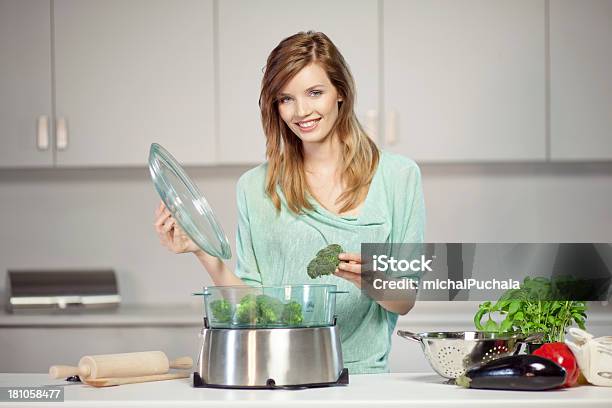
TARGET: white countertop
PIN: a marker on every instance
(369, 391)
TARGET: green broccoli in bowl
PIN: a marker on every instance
(269, 310)
(246, 310)
(325, 262)
(292, 314)
(222, 310)
(264, 310)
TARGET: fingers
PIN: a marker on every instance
(170, 234)
(178, 231)
(181, 241)
(161, 220)
(160, 208)
(351, 267)
(168, 225)
(162, 217)
(354, 278)
(350, 256)
(344, 274)
(164, 225)
(166, 233)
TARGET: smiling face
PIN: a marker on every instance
(308, 104)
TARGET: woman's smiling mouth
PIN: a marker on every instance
(308, 125)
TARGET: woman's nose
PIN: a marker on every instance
(303, 108)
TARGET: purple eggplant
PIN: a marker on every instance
(524, 372)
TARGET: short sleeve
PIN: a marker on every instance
(246, 264)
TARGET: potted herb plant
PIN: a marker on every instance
(532, 309)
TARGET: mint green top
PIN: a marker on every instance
(275, 248)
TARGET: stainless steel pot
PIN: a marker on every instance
(451, 353)
(270, 358)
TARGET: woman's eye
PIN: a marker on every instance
(284, 99)
(315, 93)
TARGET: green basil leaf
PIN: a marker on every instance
(478, 318)
(503, 304)
(514, 307)
(491, 326)
(505, 326)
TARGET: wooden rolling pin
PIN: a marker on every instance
(108, 382)
(121, 365)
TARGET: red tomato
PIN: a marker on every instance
(562, 355)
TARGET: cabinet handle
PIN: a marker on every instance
(391, 128)
(371, 124)
(42, 132)
(61, 134)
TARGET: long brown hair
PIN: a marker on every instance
(284, 152)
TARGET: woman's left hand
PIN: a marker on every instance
(349, 268)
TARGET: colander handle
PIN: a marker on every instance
(533, 337)
(409, 335)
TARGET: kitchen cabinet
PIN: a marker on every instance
(465, 81)
(66, 345)
(580, 80)
(131, 73)
(25, 83)
(244, 47)
(92, 84)
(173, 329)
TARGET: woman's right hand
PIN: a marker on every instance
(170, 234)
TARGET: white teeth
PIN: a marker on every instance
(308, 124)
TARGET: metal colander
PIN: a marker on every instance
(451, 353)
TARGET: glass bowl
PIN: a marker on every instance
(287, 306)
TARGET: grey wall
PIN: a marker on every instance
(104, 217)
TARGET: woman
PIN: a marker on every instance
(324, 182)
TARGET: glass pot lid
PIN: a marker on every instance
(186, 204)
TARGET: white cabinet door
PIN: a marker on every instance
(129, 73)
(249, 30)
(25, 83)
(581, 79)
(22, 352)
(465, 80)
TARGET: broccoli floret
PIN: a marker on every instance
(325, 262)
(246, 311)
(264, 310)
(292, 314)
(269, 310)
(221, 310)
